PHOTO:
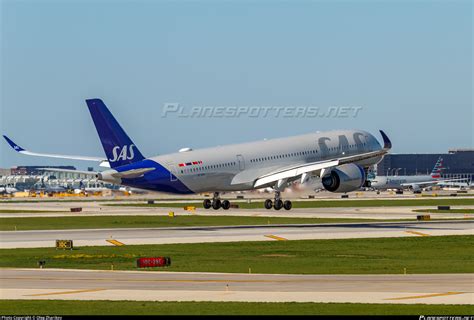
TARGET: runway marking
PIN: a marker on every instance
(115, 242)
(159, 280)
(199, 280)
(418, 233)
(275, 237)
(427, 296)
(63, 292)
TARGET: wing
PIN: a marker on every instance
(315, 167)
(102, 162)
(319, 167)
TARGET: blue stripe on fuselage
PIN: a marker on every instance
(362, 171)
(156, 180)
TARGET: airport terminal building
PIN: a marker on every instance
(26, 177)
(456, 162)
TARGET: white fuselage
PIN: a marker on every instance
(230, 168)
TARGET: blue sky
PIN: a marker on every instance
(407, 64)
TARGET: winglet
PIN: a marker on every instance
(15, 147)
(387, 144)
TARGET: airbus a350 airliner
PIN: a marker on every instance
(341, 158)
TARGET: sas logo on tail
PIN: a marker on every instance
(126, 153)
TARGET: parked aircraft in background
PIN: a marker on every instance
(415, 183)
(341, 158)
(84, 189)
(7, 190)
(461, 183)
(41, 186)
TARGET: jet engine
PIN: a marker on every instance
(344, 178)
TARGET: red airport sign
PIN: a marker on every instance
(152, 262)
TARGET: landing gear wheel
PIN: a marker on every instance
(216, 204)
(207, 204)
(268, 204)
(278, 204)
(226, 204)
(287, 205)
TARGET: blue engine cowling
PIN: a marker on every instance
(344, 178)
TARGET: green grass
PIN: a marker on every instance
(61, 307)
(96, 222)
(319, 203)
(27, 211)
(443, 254)
(445, 211)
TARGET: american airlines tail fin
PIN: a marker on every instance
(436, 173)
(118, 147)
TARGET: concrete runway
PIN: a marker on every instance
(90, 237)
(169, 286)
(97, 208)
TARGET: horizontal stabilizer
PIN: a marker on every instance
(130, 174)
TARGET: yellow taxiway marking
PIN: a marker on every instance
(62, 292)
(418, 233)
(275, 237)
(115, 242)
(427, 296)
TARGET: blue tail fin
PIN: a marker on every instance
(118, 147)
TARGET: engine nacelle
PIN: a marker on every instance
(344, 178)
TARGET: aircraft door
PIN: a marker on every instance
(240, 160)
(173, 173)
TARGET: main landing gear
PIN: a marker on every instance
(278, 203)
(216, 203)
